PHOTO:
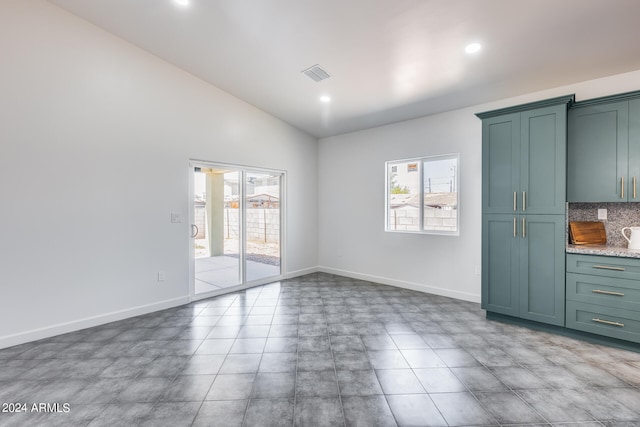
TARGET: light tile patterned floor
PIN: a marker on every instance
(321, 350)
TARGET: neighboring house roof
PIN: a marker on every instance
(262, 197)
(435, 200)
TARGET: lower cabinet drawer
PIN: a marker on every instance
(607, 321)
(607, 291)
(622, 268)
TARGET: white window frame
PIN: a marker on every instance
(421, 161)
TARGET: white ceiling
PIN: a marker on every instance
(389, 60)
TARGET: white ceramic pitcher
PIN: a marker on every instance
(634, 241)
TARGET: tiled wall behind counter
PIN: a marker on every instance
(619, 215)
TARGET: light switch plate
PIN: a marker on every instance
(602, 214)
(176, 218)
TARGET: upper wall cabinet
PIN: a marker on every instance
(524, 158)
(604, 150)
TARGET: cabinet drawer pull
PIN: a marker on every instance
(515, 201)
(634, 187)
(524, 200)
(524, 229)
(598, 291)
(608, 322)
(515, 229)
(622, 187)
(606, 267)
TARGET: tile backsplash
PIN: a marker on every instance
(619, 215)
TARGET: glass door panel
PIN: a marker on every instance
(216, 229)
(263, 224)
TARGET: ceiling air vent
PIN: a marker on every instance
(316, 73)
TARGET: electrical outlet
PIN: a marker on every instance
(161, 276)
(176, 218)
(602, 214)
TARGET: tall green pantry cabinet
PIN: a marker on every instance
(524, 151)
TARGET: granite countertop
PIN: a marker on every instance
(602, 250)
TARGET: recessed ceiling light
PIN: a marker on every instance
(473, 48)
(325, 98)
(181, 2)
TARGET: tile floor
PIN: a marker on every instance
(320, 350)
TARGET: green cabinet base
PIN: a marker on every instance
(570, 333)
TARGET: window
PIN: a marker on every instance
(422, 195)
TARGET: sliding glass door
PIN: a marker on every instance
(236, 230)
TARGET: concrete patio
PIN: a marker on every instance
(221, 272)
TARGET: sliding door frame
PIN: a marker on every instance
(243, 170)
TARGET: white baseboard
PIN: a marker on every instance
(63, 328)
(302, 272)
(465, 296)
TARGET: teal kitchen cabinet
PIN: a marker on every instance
(603, 160)
(524, 158)
(542, 268)
(598, 149)
(500, 264)
(603, 296)
(500, 163)
(523, 210)
(634, 149)
(523, 266)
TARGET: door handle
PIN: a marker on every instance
(524, 229)
(524, 200)
(515, 229)
(515, 201)
(598, 291)
(622, 187)
(608, 322)
(194, 231)
(607, 267)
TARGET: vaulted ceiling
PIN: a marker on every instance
(388, 60)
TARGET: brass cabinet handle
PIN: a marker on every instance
(515, 230)
(608, 322)
(524, 200)
(606, 267)
(524, 229)
(634, 187)
(598, 291)
(622, 187)
(515, 201)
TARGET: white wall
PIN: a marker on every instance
(96, 134)
(352, 240)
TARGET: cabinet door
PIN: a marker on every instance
(634, 150)
(597, 153)
(543, 167)
(500, 264)
(500, 163)
(542, 268)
